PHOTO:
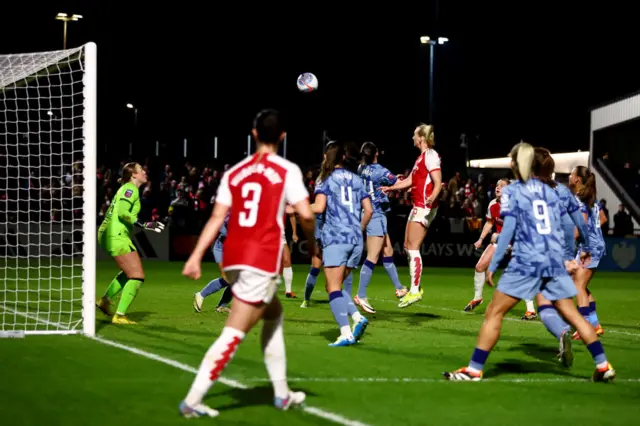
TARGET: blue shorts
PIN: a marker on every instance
(342, 254)
(595, 258)
(526, 287)
(377, 226)
(217, 251)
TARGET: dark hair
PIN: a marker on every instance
(334, 156)
(543, 166)
(368, 152)
(268, 125)
(587, 193)
(127, 172)
(351, 154)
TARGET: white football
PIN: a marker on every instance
(307, 82)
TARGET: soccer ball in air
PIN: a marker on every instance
(307, 82)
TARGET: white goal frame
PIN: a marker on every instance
(88, 61)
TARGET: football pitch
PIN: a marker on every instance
(137, 374)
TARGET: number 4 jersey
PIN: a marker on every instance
(257, 190)
(538, 241)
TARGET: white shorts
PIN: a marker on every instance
(284, 239)
(253, 287)
(423, 216)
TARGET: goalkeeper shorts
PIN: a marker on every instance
(116, 246)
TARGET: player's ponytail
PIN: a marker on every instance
(127, 173)
(368, 152)
(333, 156)
(543, 166)
(587, 191)
(426, 131)
(521, 160)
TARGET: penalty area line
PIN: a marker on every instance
(318, 412)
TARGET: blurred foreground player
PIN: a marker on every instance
(255, 191)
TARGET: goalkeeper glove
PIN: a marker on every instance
(151, 226)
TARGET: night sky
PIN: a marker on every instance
(196, 73)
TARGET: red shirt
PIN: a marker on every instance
(421, 182)
(493, 213)
(257, 190)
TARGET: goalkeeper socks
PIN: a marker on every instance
(272, 340)
(128, 294)
(347, 284)
(287, 274)
(311, 282)
(365, 277)
(390, 267)
(214, 362)
(116, 285)
(226, 297)
(478, 284)
(415, 269)
(552, 320)
(213, 287)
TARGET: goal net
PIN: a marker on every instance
(48, 191)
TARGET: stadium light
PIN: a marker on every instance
(432, 43)
(49, 113)
(130, 106)
(135, 113)
(66, 18)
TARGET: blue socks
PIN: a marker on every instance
(311, 282)
(347, 285)
(339, 307)
(214, 286)
(597, 352)
(365, 277)
(585, 311)
(390, 267)
(552, 320)
(478, 359)
(226, 297)
(593, 317)
(351, 307)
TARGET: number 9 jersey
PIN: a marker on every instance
(538, 242)
(257, 190)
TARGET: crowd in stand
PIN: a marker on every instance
(184, 197)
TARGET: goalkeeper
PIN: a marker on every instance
(114, 238)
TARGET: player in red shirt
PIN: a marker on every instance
(493, 219)
(425, 182)
(255, 191)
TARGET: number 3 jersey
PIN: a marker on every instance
(257, 190)
(374, 176)
(538, 241)
(344, 191)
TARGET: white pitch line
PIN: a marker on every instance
(438, 308)
(318, 412)
(373, 380)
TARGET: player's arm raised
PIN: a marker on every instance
(398, 186)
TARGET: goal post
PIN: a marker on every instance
(48, 191)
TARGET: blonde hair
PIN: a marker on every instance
(127, 172)
(426, 131)
(522, 156)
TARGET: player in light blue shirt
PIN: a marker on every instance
(347, 211)
(374, 176)
(219, 283)
(531, 210)
(316, 260)
(582, 182)
(570, 220)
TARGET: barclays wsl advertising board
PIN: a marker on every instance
(623, 254)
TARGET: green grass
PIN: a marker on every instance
(393, 377)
